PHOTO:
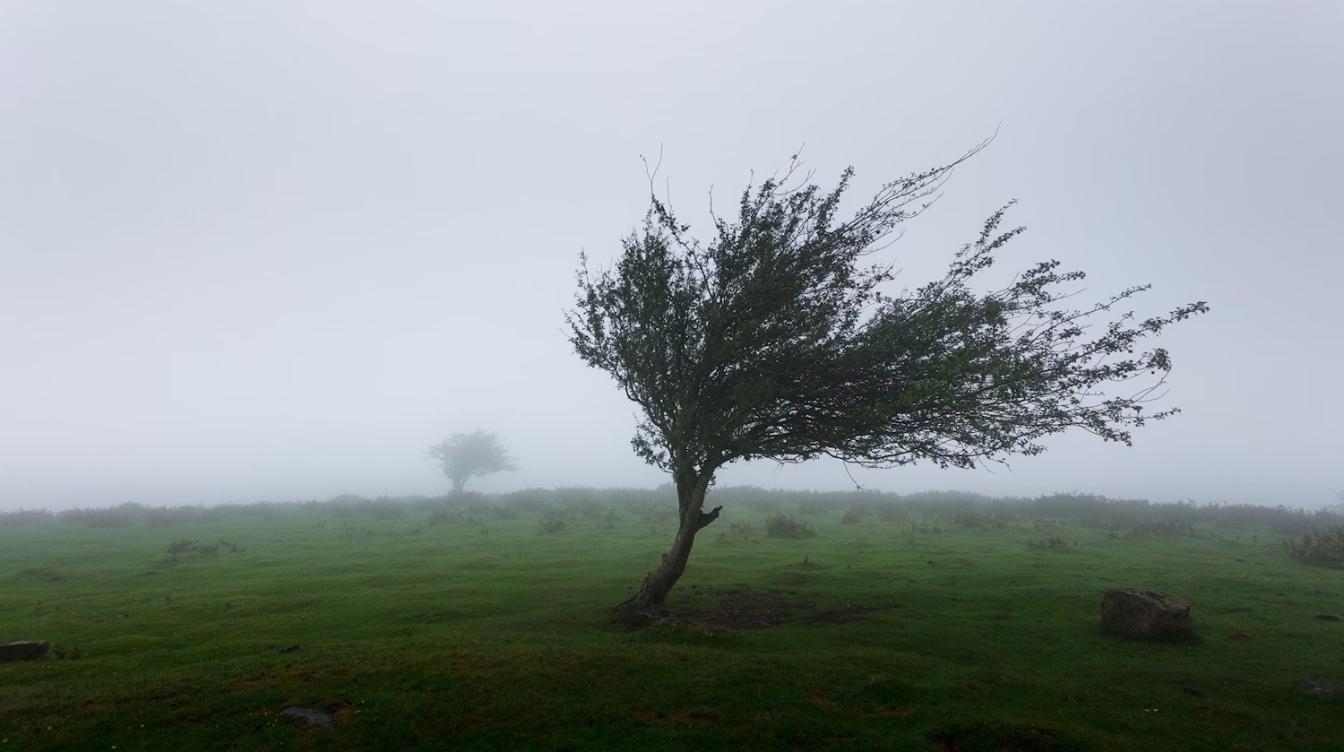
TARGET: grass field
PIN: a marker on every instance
(421, 626)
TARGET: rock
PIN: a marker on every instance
(1330, 617)
(1144, 614)
(290, 649)
(23, 650)
(1318, 687)
(308, 717)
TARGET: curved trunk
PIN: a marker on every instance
(648, 602)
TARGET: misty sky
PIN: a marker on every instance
(273, 250)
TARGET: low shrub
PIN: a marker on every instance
(553, 520)
(118, 516)
(855, 514)
(1323, 549)
(784, 526)
(1047, 543)
(446, 517)
(1166, 528)
(586, 508)
(974, 518)
(738, 532)
(232, 548)
(388, 512)
(180, 547)
(892, 513)
(812, 505)
(24, 517)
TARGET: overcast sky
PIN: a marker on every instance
(273, 250)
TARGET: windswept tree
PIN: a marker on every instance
(468, 454)
(774, 339)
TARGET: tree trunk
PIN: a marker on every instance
(648, 602)
(458, 485)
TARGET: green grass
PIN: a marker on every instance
(487, 633)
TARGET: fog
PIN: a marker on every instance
(259, 250)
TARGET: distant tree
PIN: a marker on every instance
(772, 341)
(466, 455)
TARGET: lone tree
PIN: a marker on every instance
(773, 340)
(464, 455)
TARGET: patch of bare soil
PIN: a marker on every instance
(741, 608)
(745, 608)
(847, 615)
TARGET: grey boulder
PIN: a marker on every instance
(1145, 615)
(308, 717)
(23, 650)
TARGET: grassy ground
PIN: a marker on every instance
(488, 633)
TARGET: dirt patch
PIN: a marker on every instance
(746, 609)
(847, 615)
(741, 607)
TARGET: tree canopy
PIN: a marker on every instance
(776, 338)
(465, 455)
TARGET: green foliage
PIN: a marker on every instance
(855, 514)
(1124, 517)
(180, 547)
(740, 531)
(981, 518)
(469, 454)
(553, 520)
(1325, 549)
(1161, 528)
(785, 526)
(771, 340)
(24, 517)
(776, 339)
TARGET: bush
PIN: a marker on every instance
(812, 505)
(446, 517)
(892, 513)
(184, 546)
(552, 520)
(738, 532)
(1125, 517)
(1047, 543)
(165, 516)
(1321, 549)
(854, 515)
(1162, 529)
(388, 512)
(118, 516)
(784, 526)
(24, 517)
(973, 518)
